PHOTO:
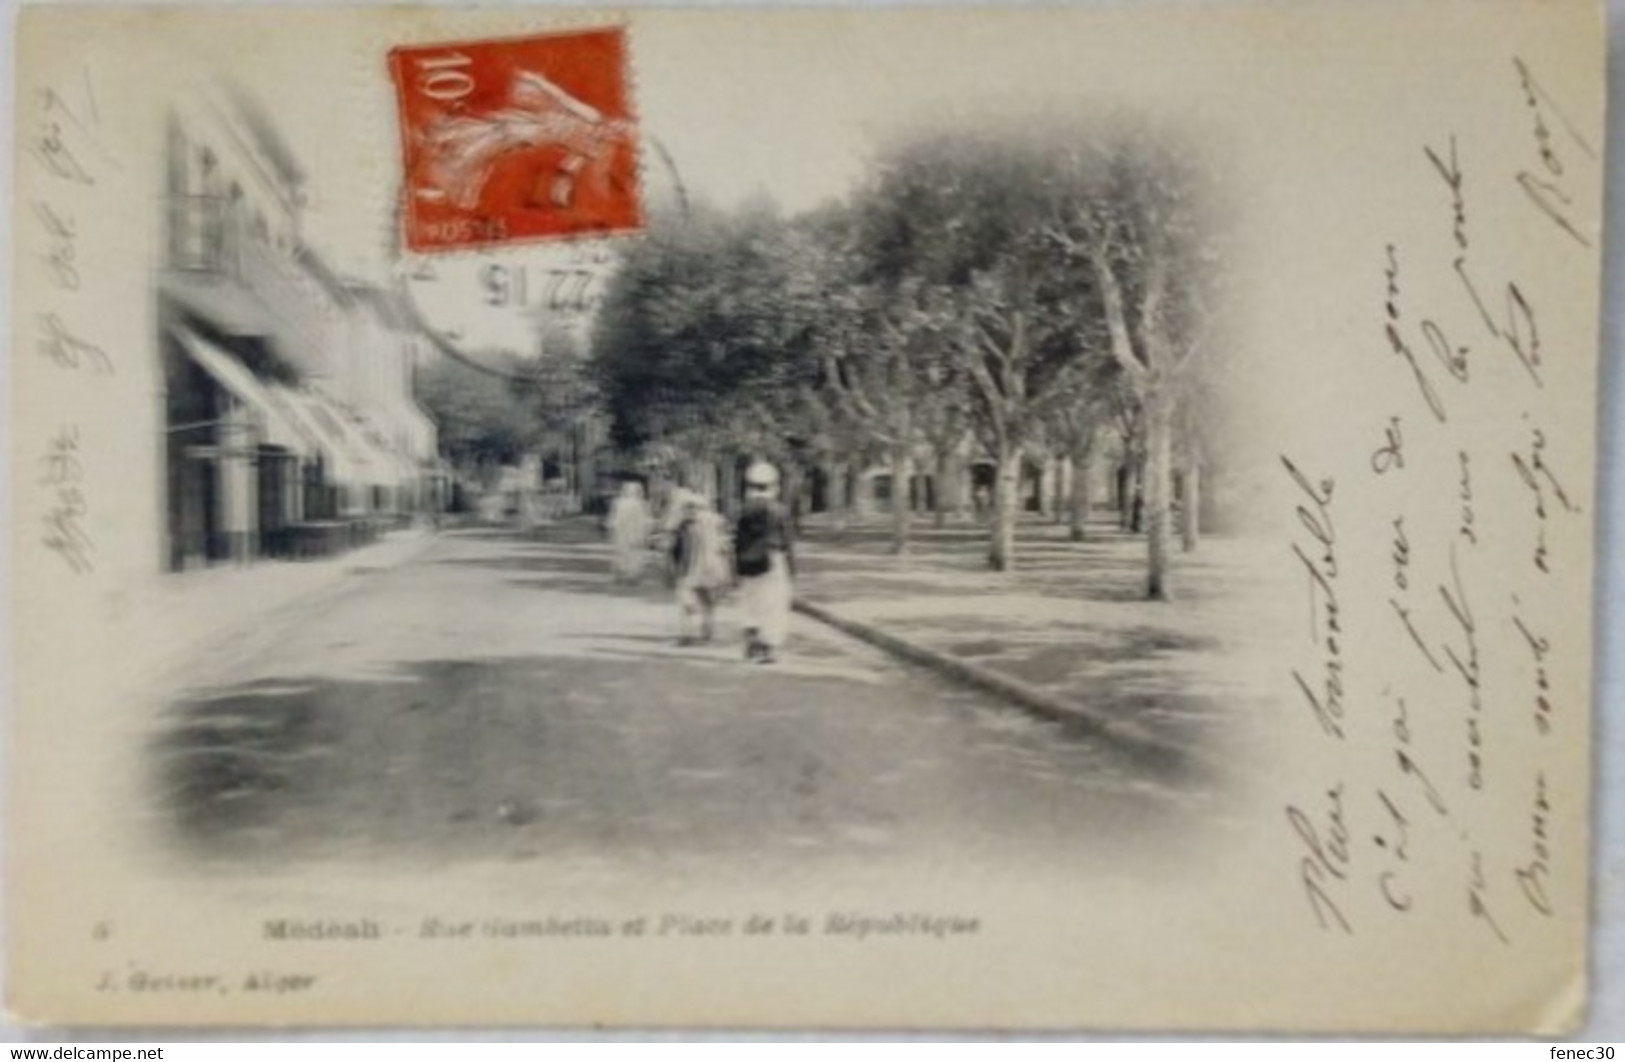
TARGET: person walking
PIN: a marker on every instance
(629, 532)
(699, 567)
(765, 562)
(671, 518)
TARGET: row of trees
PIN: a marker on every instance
(1028, 292)
(497, 407)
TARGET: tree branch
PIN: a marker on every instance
(992, 346)
(1151, 323)
(1122, 346)
(856, 403)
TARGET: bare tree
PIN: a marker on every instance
(943, 420)
(1017, 347)
(1075, 428)
(873, 353)
(1133, 216)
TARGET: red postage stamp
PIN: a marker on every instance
(516, 139)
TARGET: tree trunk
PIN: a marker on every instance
(1006, 502)
(899, 500)
(952, 493)
(1137, 500)
(840, 495)
(1082, 467)
(940, 488)
(1158, 482)
(794, 480)
(1125, 494)
(1191, 525)
(859, 491)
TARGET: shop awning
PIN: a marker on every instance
(277, 427)
(346, 458)
(231, 307)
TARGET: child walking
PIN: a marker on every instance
(700, 569)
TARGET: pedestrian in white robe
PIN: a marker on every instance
(629, 532)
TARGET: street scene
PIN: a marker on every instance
(499, 696)
(907, 527)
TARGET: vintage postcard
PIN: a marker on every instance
(920, 518)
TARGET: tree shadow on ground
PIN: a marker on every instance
(724, 649)
(1109, 642)
(627, 760)
(532, 562)
(1134, 674)
(1031, 533)
(1082, 572)
(1113, 583)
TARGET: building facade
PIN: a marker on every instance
(290, 425)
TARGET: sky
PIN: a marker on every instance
(787, 105)
(733, 100)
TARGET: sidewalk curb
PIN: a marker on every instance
(1129, 738)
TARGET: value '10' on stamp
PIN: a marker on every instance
(516, 139)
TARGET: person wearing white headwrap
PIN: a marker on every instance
(765, 561)
(629, 532)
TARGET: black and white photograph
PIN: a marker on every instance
(958, 413)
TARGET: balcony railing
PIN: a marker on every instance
(207, 237)
(198, 238)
